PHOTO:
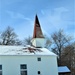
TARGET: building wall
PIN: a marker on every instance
(11, 65)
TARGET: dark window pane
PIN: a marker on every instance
(0, 67)
(39, 59)
(23, 66)
(38, 72)
(23, 72)
(0, 72)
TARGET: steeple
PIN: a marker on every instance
(37, 29)
(38, 38)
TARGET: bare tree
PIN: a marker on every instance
(48, 42)
(60, 40)
(68, 57)
(0, 38)
(27, 41)
(18, 42)
(8, 36)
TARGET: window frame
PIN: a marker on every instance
(22, 69)
(39, 59)
(1, 69)
(23, 65)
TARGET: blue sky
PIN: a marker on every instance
(53, 15)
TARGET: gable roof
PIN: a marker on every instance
(21, 50)
(63, 69)
(37, 29)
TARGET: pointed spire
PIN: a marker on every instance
(37, 29)
(38, 38)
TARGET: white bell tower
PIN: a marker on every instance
(38, 39)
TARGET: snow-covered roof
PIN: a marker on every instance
(21, 50)
(63, 69)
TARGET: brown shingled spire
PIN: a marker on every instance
(37, 29)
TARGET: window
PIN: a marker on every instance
(23, 68)
(39, 72)
(0, 69)
(39, 59)
(23, 72)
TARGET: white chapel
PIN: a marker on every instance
(29, 60)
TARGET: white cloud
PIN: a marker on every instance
(54, 16)
(42, 11)
(52, 20)
(60, 10)
(15, 15)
